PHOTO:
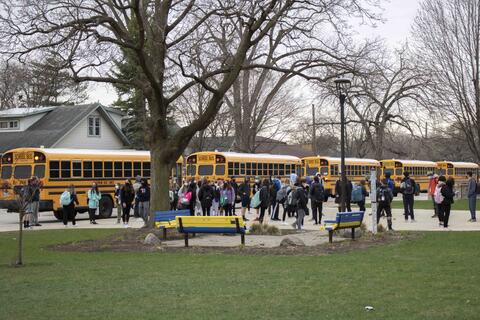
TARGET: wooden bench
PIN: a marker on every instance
(167, 219)
(215, 224)
(344, 220)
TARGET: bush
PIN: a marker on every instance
(264, 229)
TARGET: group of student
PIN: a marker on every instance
(134, 196)
(441, 190)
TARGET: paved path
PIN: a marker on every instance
(424, 222)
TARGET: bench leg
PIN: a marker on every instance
(330, 236)
(164, 233)
(353, 233)
(243, 238)
(186, 239)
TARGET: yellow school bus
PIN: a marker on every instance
(59, 168)
(329, 167)
(457, 170)
(228, 165)
(419, 171)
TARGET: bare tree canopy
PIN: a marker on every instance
(448, 48)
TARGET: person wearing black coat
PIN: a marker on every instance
(317, 196)
(446, 205)
(193, 189)
(206, 195)
(264, 199)
(69, 210)
(348, 196)
(244, 192)
(127, 196)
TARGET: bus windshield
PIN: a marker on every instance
(324, 171)
(22, 172)
(387, 171)
(311, 171)
(205, 170)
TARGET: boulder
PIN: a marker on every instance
(152, 239)
(292, 241)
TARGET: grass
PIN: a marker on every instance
(459, 204)
(433, 277)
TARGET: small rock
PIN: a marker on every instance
(292, 241)
(152, 239)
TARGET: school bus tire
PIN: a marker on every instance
(105, 207)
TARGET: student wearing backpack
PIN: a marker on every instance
(281, 199)
(472, 197)
(438, 198)
(359, 194)
(408, 189)
(244, 193)
(227, 199)
(127, 197)
(69, 199)
(272, 194)
(143, 196)
(448, 194)
(93, 199)
(206, 197)
(301, 200)
(264, 199)
(384, 201)
(317, 196)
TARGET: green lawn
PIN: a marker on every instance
(461, 204)
(434, 277)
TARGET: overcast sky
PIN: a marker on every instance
(399, 15)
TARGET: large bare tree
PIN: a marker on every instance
(447, 35)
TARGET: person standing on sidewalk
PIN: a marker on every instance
(127, 196)
(408, 188)
(244, 193)
(384, 200)
(472, 197)
(143, 196)
(136, 186)
(118, 203)
(301, 200)
(448, 194)
(69, 199)
(432, 185)
(317, 195)
(93, 199)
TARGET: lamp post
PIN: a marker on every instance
(342, 85)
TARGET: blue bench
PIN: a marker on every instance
(168, 219)
(344, 220)
(211, 224)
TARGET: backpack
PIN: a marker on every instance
(417, 189)
(277, 184)
(185, 199)
(437, 196)
(384, 195)
(318, 194)
(65, 198)
(255, 202)
(291, 199)
(282, 195)
(408, 187)
(357, 193)
(223, 199)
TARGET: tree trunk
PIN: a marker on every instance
(379, 140)
(19, 261)
(160, 177)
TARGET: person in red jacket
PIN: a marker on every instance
(432, 185)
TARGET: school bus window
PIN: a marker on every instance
(242, 169)
(127, 169)
(324, 171)
(230, 168)
(191, 170)
(249, 169)
(87, 169)
(146, 169)
(66, 169)
(54, 169)
(98, 169)
(449, 172)
(137, 169)
(220, 169)
(398, 171)
(118, 169)
(108, 169)
(6, 172)
(76, 169)
(39, 171)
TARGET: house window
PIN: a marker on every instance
(94, 126)
(9, 125)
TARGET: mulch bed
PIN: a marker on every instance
(131, 240)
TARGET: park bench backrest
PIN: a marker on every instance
(349, 219)
(216, 224)
(161, 216)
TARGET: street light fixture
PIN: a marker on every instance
(342, 85)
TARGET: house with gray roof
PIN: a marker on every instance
(87, 126)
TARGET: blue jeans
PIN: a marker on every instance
(472, 203)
